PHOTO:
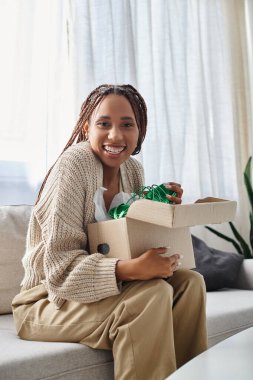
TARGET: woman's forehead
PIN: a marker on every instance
(114, 105)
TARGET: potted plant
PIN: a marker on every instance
(241, 246)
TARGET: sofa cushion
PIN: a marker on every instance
(22, 360)
(13, 226)
(229, 311)
(245, 277)
(219, 269)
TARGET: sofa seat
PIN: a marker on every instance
(23, 360)
(228, 312)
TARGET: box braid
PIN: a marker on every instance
(89, 105)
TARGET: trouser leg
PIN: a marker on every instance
(143, 333)
(140, 331)
(137, 325)
(189, 315)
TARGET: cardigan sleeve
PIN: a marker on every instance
(70, 272)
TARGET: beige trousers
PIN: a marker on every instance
(152, 327)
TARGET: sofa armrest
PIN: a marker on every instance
(245, 277)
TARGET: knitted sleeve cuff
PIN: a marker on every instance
(105, 281)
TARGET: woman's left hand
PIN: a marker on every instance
(178, 189)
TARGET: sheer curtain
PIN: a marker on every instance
(36, 94)
(189, 59)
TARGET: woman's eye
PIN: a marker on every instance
(103, 124)
(127, 125)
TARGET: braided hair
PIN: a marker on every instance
(89, 105)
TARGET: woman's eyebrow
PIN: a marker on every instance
(127, 118)
(104, 117)
(122, 118)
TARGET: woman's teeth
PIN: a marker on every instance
(114, 150)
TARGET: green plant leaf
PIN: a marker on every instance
(247, 170)
(227, 238)
(248, 182)
(241, 245)
(244, 245)
(251, 230)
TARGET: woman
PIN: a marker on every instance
(152, 325)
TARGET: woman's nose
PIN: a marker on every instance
(115, 133)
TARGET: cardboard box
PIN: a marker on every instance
(150, 224)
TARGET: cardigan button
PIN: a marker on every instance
(103, 248)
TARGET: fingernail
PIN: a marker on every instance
(181, 256)
(179, 264)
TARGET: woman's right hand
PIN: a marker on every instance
(147, 266)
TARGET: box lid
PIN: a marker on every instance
(204, 211)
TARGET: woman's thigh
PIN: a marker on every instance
(38, 319)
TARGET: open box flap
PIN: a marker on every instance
(204, 211)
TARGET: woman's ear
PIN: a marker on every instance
(86, 130)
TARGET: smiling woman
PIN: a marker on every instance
(102, 302)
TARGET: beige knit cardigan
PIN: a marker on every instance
(56, 244)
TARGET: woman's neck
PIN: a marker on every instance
(111, 177)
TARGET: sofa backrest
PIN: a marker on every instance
(13, 228)
(245, 277)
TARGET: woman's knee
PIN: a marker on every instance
(189, 278)
(197, 279)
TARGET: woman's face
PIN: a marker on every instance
(113, 131)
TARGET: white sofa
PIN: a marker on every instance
(228, 312)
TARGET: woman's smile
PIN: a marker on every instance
(114, 149)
